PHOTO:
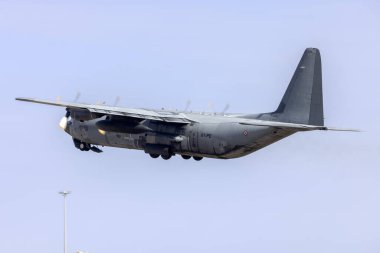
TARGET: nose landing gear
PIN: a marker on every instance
(83, 146)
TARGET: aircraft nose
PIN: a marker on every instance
(63, 123)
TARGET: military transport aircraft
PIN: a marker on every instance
(189, 134)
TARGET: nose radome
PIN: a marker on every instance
(63, 123)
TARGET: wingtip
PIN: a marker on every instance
(23, 99)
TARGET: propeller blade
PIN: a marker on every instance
(211, 107)
(188, 103)
(68, 113)
(117, 100)
(226, 108)
(77, 97)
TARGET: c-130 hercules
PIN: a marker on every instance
(167, 133)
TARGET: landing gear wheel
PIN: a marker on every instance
(197, 158)
(84, 146)
(166, 156)
(186, 157)
(154, 155)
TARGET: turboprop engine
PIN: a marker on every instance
(78, 114)
(121, 126)
(84, 115)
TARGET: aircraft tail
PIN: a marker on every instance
(303, 101)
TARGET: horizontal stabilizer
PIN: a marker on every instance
(343, 129)
(292, 126)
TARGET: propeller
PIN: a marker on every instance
(225, 109)
(77, 97)
(117, 100)
(65, 119)
(211, 107)
(188, 103)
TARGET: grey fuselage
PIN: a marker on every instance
(164, 133)
(215, 136)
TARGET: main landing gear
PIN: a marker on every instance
(186, 157)
(83, 146)
(154, 155)
(163, 156)
(168, 156)
(196, 158)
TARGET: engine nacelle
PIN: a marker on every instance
(122, 126)
(83, 114)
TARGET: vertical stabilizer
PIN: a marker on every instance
(303, 101)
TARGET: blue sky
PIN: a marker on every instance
(312, 192)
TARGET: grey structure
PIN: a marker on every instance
(166, 133)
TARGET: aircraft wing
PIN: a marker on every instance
(164, 116)
(291, 126)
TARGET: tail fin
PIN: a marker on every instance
(303, 102)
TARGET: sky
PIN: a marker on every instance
(311, 192)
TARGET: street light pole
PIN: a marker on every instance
(64, 194)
